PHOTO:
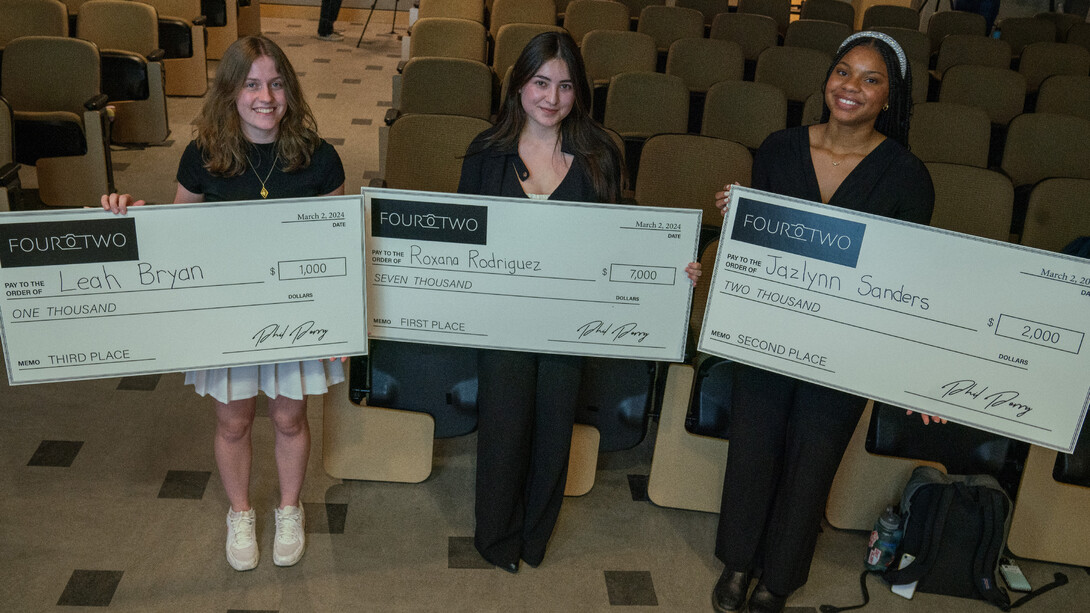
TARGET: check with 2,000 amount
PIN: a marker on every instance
(87, 294)
(986, 334)
(553, 277)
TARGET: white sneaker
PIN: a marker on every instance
(242, 551)
(333, 37)
(290, 541)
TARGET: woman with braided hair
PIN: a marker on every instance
(787, 435)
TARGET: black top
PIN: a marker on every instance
(890, 181)
(324, 175)
(489, 171)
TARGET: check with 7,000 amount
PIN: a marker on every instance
(554, 277)
(90, 295)
(987, 334)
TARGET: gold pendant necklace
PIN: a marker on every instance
(264, 192)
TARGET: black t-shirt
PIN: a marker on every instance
(889, 181)
(324, 175)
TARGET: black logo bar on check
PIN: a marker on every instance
(811, 235)
(440, 222)
(53, 243)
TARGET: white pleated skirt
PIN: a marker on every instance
(292, 379)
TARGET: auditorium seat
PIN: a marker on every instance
(754, 33)
(449, 37)
(1063, 23)
(510, 41)
(1043, 146)
(641, 104)
(709, 8)
(446, 86)
(798, 71)
(1051, 516)
(32, 18)
(582, 16)
(127, 36)
(829, 10)
(915, 44)
(862, 6)
(891, 16)
(1065, 95)
(824, 36)
(686, 170)
(744, 111)
(61, 127)
(1022, 31)
(958, 49)
(701, 63)
(1079, 34)
(222, 27)
(950, 133)
(249, 18)
(1000, 92)
(472, 10)
(425, 152)
(779, 10)
(1058, 213)
(667, 24)
(945, 23)
(182, 38)
(542, 12)
(1042, 60)
(972, 200)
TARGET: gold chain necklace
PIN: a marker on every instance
(264, 192)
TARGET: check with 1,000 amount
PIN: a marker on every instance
(553, 277)
(87, 294)
(987, 334)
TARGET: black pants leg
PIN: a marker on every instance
(782, 460)
(327, 16)
(526, 406)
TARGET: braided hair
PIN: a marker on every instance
(892, 122)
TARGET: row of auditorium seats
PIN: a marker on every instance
(143, 52)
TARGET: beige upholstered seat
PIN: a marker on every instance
(754, 33)
(1044, 145)
(55, 81)
(510, 41)
(703, 62)
(1058, 213)
(667, 24)
(744, 111)
(1066, 95)
(779, 10)
(582, 16)
(798, 71)
(542, 12)
(1042, 60)
(972, 200)
(945, 23)
(130, 28)
(891, 16)
(829, 10)
(1001, 92)
(185, 76)
(425, 151)
(32, 18)
(449, 37)
(824, 36)
(951, 133)
(472, 10)
(446, 86)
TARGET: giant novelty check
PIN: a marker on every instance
(554, 277)
(987, 334)
(87, 294)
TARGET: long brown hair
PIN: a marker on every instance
(583, 136)
(219, 131)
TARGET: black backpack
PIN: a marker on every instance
(956, 531)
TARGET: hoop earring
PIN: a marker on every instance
(886, 107)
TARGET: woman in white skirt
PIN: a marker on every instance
(256, 138)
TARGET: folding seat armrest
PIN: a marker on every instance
(156, 55)
(377, 182)
(391, 116)
(199, 20)
(96, 103)
(401, 66)
(9, 174)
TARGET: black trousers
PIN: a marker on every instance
(526, 404)
(787, 439)
(327, 15)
